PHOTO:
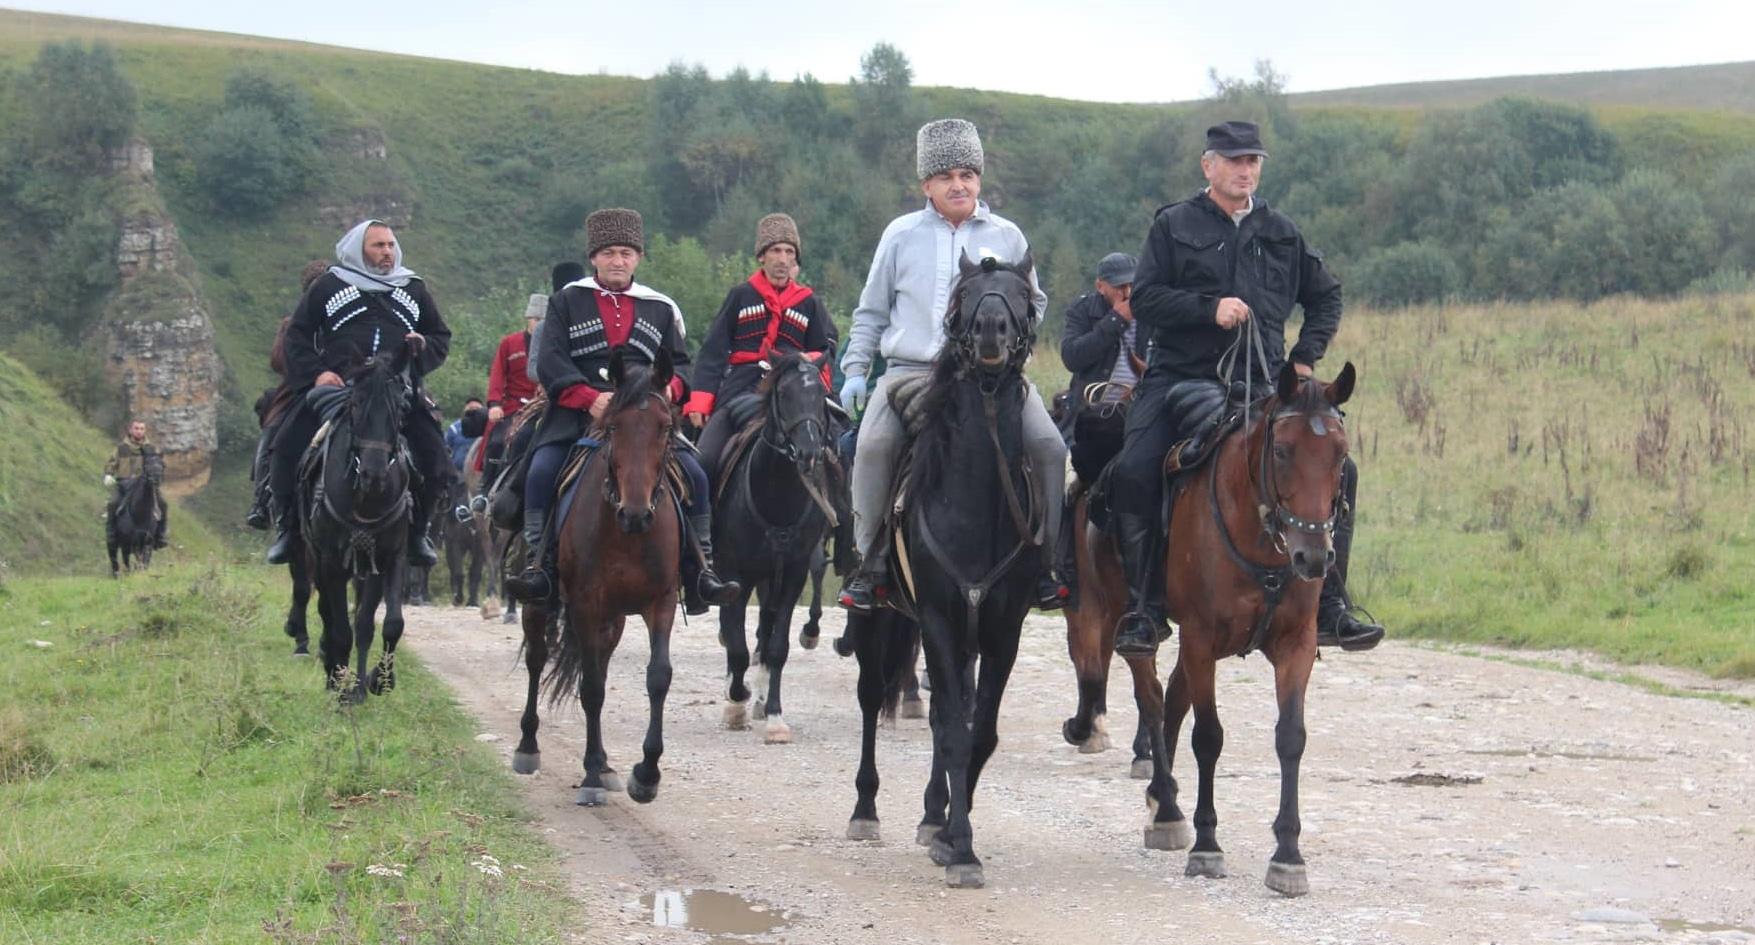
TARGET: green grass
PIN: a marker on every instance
(1727, 86)
(1559, 475)
(170, 774)
(51, 486)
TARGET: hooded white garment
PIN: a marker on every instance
(637, 291)
(351, 263)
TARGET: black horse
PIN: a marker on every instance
(133, 522)
(463, 541)
(774, 509)
(968, 541)
(354, 500)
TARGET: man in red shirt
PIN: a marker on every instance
(511, 385)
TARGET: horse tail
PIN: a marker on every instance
(565, 670)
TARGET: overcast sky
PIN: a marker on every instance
(1107, 50)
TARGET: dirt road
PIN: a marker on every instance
(1603, 812)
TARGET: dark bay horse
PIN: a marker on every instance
(135, 522)
(617, 551)
(968, 542)
(354, 499)
(773, 513)
(1251, 536)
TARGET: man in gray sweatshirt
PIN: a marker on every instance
(901, 315)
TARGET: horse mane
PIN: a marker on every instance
(778, 364)
(635, 387)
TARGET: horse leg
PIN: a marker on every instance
(812, 630)
(775, 628)
(593, 791)
(952, 846)
(527, 758)
(115, 569)
(301, 599)
(1286, 874)
(475, 566)
(1166, 829)
(737, 662)
(1208, 739)
(643, 780)
(863, 825)
(454, 553)
(337, 638)
(1087, 728)
(382, 678)
(995, 671)
(371, 591)
(913, 707)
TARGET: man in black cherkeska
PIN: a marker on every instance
(1213, 262)
(367, 304)
(587, 321)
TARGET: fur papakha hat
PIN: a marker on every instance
(945, 144)
(537, 307)
(614, 227)
(776, 228)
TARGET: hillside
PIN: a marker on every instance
(1720, 87)
(51, 486)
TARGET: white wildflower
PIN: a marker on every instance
(394, 870)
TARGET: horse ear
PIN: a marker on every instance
(1288, 386)
(616, 367)
(965, 265)
(1027, 264)
(663, 369)
(1342, 388)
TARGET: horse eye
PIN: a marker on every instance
(1282, 454)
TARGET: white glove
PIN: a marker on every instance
(109, 481)
(853, 392)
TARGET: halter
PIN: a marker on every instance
(963, 341)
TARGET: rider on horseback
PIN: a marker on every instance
(586, 321)
(1212, 263)
(134, 456)
(365, 305)
(769, 314)
(900, 314)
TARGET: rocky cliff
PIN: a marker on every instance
(161, 355)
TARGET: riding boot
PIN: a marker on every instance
(1336, 624)
(258, 517)
(535, 584)
(704, 588)
(286, 535)
(421, 552)
(1143, 626)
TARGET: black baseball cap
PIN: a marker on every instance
(1235, 139)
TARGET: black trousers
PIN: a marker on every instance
(426, 448)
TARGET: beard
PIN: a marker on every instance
(382, 269)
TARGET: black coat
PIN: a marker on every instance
(574, 351)
(337, 327)
(1090, 341)
(1194, 256)
(732, 331)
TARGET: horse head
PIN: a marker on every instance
(636, 435)
(1303, 443)
(797, 421)
(377, 400)
(992, 318)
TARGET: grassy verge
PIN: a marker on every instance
(170, 774)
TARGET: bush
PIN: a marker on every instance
(1406, 274)
(244, 162)
(77, 106)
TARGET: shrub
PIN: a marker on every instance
(1406, 274)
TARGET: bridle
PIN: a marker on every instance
(612, 493)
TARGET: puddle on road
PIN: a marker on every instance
(728, 917)
(1568, 755)
(1683, 925)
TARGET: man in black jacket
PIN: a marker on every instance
(367, 304)
(1211, 263)
(1100, 345)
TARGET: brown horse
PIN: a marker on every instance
(1251, 536)
(617, 551)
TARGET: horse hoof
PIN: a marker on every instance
(1095, 745)
(807, 638)
(941, 854)
(509, 616)
(302, 649)
(1208, 863)
(964, 876)
(526, 762)
(925, 834)
(1288, 879)
(640, 791)
(736, 716)
(1141, 769)
(862, 829)
(591, 797)
(612, 782)
(1169, 835)
(758, 709)
(913, 709)
(778, 732)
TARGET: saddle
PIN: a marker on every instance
(1206, 413)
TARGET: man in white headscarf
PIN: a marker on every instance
(365, 305)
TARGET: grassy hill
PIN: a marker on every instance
(51, 488)
(1721, 87)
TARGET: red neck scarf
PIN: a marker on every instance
(777, 302)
